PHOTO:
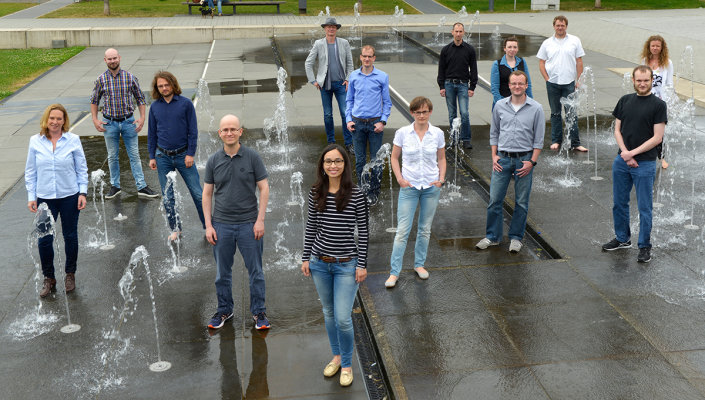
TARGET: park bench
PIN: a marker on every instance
(237, 3)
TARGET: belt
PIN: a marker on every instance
(117, 119)
(334, 259)
(514, 155)
(173, 152)
(456, 81)
(373, 119)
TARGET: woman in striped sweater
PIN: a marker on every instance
(337, 263)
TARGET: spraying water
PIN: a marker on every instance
(171, 207)
(98, 185)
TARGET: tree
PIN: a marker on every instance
(598, 3)
(106, 7)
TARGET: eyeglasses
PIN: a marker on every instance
(230, 130)
(517, 84)
(338, 162)
(426, 112)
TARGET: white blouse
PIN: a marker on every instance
(419, 157)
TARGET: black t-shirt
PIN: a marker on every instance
(639, 114)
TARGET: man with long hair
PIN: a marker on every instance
(171, 141)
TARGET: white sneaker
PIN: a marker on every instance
(391, 281)
(485, 243)
(515, 246)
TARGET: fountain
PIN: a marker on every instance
(356, 29)
(172, 218)
(297, 197)
(496, 36)
(439, 38)
(279, 123)
(397, 23)
(392, 229)
(98, 182)
(454, 143)
(207, 144)
(375, 166)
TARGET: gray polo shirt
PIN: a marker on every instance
(517, 131)
(235, 179)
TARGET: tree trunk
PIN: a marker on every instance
(598, 3)
(106, 7)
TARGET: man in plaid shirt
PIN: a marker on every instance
(117, 87)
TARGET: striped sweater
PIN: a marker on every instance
(332, 233)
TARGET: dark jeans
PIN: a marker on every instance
(66, 209)
(364, 133)
(338, 90)
(554, 92)
(641, 178)
(459, 92)
(166, 164)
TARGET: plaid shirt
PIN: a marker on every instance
(117, 90)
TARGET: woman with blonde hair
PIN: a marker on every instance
(56, 174)
(655, 55)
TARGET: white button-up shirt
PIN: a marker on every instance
(55, 173)
(419, 157)
(560, 56)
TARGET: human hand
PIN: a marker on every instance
(379, 127)
(99, 125)
(139, 124)
(360, 274)
(152, 163)
(523, 171)
(351, 126)
(188, 161)
(211, 236)
(258, 229)
(495, 163)
(81, 202)
(305, 268)
(32, 205)
(443, 93)
(319, 86)
(403, 183)
(471, 93)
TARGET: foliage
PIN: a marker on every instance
(9, 8)
(170, 8)
(20, 66)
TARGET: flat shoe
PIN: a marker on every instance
(331, 369)
(391, 281)
(421, 272)
(346, 378)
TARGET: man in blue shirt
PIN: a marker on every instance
(171, 141)
(368, 107)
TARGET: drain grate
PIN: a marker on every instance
(368, 355)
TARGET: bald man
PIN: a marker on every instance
(232, 177)
(118, 87)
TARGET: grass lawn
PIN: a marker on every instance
(17, 67)
(9, 8)
(572, 5)
(169, 8)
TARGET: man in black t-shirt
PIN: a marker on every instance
(640, 120)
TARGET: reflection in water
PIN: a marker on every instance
(230, 385)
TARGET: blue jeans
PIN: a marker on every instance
(336, 286)
(113, 131)
(338, 90)
(364, 133)
(67, 209)
(166, 164)
(554, 92)
(458, 91)
(220, 5)
(642, 178)
(230, 238)
(409, 198)
(498, 190)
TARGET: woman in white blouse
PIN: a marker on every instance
(655, 55)
(56, 174)
(420, 178)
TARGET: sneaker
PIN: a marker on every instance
(467, 145)
(147, 192)
(261, 321)
(219, 319)
(615, 244)
(485, 243)
(350, 148)
(515, 246)
(114, 191)
(644, 255)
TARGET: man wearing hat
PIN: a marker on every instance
(335, 64)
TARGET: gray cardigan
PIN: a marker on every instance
(320, 52)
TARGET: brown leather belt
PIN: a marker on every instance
(366, 120)
(334, 259)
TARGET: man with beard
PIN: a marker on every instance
(118, 87)
(640, 121)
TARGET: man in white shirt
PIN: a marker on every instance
(561, 64)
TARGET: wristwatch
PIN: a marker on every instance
(533, 163)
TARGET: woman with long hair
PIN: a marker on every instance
(337, 263)
(56, 174)
(655, 55)
(502, 68)
(422, 147)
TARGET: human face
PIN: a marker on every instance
(331, 30)
(517, 85)
(230, 131)
(333, 164)
(511, 48)
(560, 28)
(112, 59)
(655, 48)
(458, 33)
(422, 115)
(642, 83)
(367, 58)
(55, 123)
(164, 87)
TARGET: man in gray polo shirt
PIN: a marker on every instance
(232, 177)
(516, 139)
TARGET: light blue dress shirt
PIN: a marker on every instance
(368, 95)
(55, 174)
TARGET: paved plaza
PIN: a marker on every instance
(559, 320)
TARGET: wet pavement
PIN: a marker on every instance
(573, 323)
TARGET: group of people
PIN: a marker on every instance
(337, 229)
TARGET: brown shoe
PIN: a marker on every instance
(49, 286)
(70, 282)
